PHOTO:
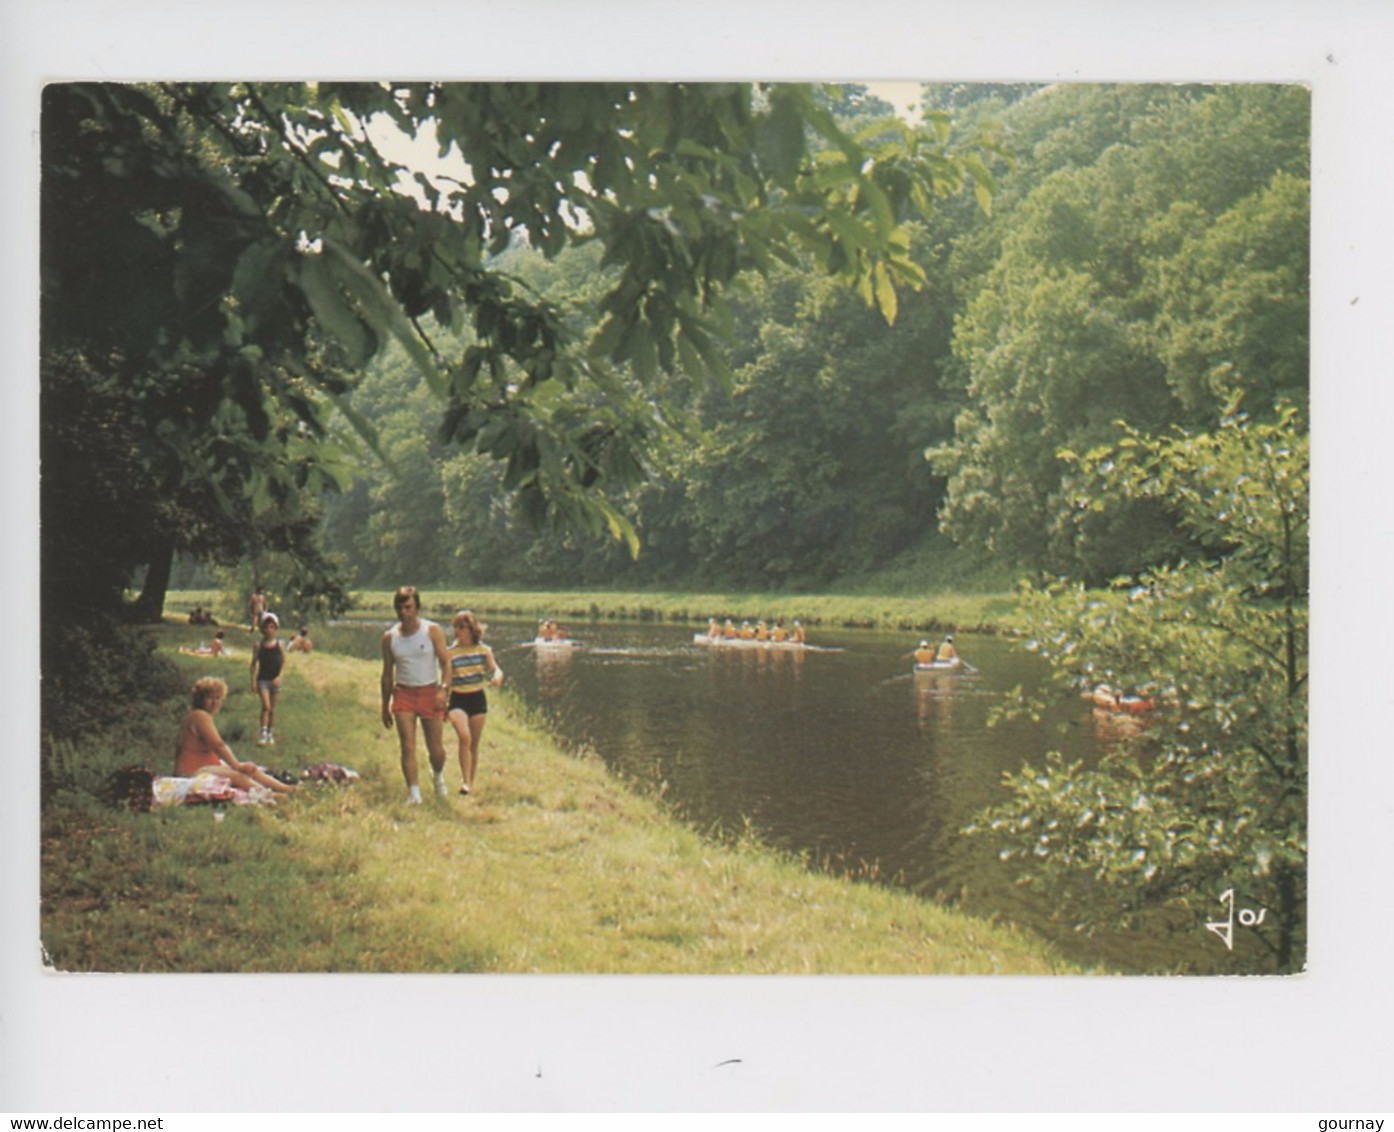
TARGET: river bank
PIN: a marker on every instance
(931, 613)
(553, 866)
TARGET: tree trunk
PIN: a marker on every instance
(149, 608)
(1288, 916)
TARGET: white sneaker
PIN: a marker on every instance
(414, 796)
(261, 738)
(441, 788)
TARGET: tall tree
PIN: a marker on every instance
(246, 246)
(1148, 284)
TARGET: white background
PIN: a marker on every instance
(1315, 1043)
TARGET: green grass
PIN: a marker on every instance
(553, 865)
(927, 613)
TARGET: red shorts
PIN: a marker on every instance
(425, 700)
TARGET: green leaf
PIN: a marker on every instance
(885, 294)
(333, 311)
(780, 139)
(378, 305)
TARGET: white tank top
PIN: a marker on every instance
(414, 656)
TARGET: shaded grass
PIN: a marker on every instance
(552, 866)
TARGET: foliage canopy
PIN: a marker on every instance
(1209, 794)
(235, 252)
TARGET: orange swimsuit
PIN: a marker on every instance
(193, 752)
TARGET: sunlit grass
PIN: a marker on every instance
(552, 866)
(928, 613)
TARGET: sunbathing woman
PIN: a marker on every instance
(201, 750)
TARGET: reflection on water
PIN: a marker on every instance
(840, 752)
(552, 668)
(934, 697)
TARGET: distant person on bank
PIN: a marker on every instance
(268, 659)
(257, 606)
(415, 686)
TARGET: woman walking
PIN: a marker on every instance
(471, 663)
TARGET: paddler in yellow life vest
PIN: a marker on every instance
(926, 653)
(762, 632)
(728, 630)
(946, 651)
(747, 633)
(799, 637)
(713, 629)
(778, 633)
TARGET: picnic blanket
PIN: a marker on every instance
(207, 788)
(140, 788)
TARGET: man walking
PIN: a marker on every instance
(415, 685)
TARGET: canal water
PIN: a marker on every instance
(839, 753)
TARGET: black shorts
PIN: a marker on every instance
(471, 703)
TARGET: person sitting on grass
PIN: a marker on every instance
(301, 641)
(200, 750)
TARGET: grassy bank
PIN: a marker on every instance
(552, 866)
(929, 613)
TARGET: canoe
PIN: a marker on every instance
(738, 643)
(540, 643)
(939, 665)
(1132, 705)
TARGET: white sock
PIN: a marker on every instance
(414, 794)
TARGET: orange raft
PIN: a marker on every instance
(1105, 697)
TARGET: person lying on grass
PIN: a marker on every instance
(201, 750)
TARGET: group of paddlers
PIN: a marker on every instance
(772, 632)
(943, 655)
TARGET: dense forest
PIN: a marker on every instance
(819, 348)
(1144, 259)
